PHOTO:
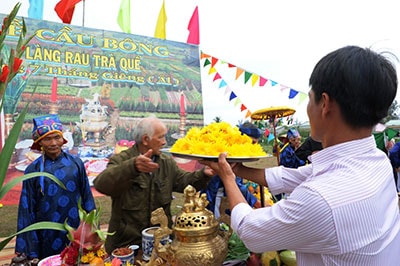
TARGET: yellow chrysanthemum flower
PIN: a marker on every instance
(88, 257)
(101, 253)
(215, 138)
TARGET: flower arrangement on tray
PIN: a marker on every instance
(215, 138)
(86, 242)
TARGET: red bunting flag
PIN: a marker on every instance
(194, 28)
(65, 10)
(214, 61)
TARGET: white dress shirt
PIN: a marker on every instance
(342, 209)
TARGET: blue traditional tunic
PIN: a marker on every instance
(288, 157)
(212, 190)
(43, 200)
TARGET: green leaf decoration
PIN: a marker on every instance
(19, 179)
(33, 227)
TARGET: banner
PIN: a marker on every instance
(101, 83)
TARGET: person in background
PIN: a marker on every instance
(394, 156)
(141, 179)
(287, 154)
(343, 208)
(308, 147)
(43, 200)
(215, 190)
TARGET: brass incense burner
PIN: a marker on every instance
(198, 239)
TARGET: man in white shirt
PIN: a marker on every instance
(343, 208)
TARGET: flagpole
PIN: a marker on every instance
(83, 15)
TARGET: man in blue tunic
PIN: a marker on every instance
(43, 200)
(288, 157)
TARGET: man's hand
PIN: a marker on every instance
(144, 162)
(222, 167)
(209, 171)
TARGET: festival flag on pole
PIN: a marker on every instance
(35, 9)
(124, 16)
(160, 31)
(54, 86)
(65, 10)
(194, 28)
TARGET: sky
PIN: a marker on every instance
(278, 40)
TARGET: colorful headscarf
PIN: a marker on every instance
(44, 126)
(292, 133)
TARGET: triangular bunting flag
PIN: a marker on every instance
(270, 137)
(247, 76)
(302, 97)
(206, 62)
(227, 90)
(214, 61)
(273, 83)
(237, 102)
(232, 96)
(203, 55)
(262, 81)
(248, 114)
(283, 87)
(212, 70)
(254, 79)
(231, 65)
(239, 72)
(222, 84)
(217, 76)
(242, 107)
(292, 93)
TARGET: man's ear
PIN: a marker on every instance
(325, 104)
(145, 139)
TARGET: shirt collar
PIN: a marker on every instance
(326, 156)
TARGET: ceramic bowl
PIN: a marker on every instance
(124, 254)
(135, 249)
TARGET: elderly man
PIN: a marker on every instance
(43, 200)
(140, 180)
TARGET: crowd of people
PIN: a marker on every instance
(339, 209)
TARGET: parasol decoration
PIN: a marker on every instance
(271, 113)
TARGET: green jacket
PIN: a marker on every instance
(135, 195)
